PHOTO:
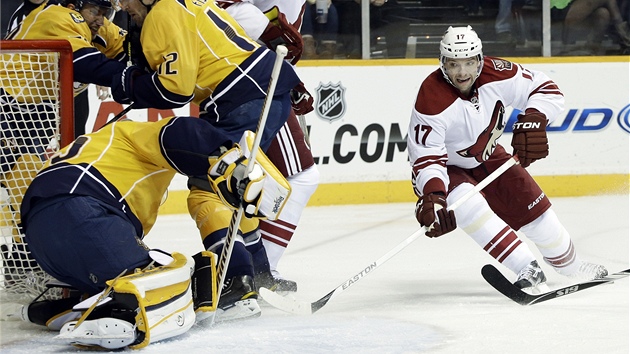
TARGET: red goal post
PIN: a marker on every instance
(36, 119)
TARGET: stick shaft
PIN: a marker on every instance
(232, 231)
(352, 280)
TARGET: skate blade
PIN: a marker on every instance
(105, 333)
(242, 310)
(538, 289)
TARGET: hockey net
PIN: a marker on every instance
(36, 119)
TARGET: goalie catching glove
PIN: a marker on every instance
(529, 138)
(228, 180)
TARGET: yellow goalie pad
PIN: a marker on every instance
(164, 296)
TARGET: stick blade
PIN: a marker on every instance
(285, 304)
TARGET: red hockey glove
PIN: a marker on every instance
(280, 31)
(301, 100)
(431, 212)
(529, 138)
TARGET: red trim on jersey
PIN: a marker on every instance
(426, 161)
(435, 94)
(547, 88)
(495, 69)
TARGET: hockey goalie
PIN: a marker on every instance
(86, 213)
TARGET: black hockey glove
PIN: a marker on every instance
(122, 84)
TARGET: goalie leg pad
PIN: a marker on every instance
(159, 300)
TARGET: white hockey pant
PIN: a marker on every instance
(489, 231)
(277, 234)
(554, 242)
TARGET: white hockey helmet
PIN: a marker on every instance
(458, 43)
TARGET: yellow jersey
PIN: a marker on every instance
(25, 81)
(200, 53)
(128, 165)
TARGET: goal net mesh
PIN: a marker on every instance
(36, 112)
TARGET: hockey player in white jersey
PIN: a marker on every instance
(274, 22)
(455, 124)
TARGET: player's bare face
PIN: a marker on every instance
(462, 73)
(135, 9)
(94, 17)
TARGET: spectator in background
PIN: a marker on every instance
(319, 32)
(593, 15)
(473, 8)
(503, 22)
(385, 15)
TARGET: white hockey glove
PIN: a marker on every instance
(228, 180)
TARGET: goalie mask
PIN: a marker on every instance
(460, 43)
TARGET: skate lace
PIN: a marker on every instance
(530, 273)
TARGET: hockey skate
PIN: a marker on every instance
(238, 301)
(532, 279)
(274, 282)
(590, 271)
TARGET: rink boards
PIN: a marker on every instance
(359, 127)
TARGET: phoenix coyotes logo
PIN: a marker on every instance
(487, 140)
(500, 64)
(331, 103)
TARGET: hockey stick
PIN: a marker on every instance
(129, 63)
(302, 121)
(494, 277)
(304, 308)
(232, 231)
(119, 115)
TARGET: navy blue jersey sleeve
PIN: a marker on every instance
(93, 67)
(187, 143)
(148, 92)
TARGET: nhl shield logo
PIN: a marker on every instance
(331, 103)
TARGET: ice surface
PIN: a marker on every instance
(430, 298)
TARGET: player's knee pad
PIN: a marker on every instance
(212, 216)
(276, 189)
(157, 301)
(306, 180)
(474, 212)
